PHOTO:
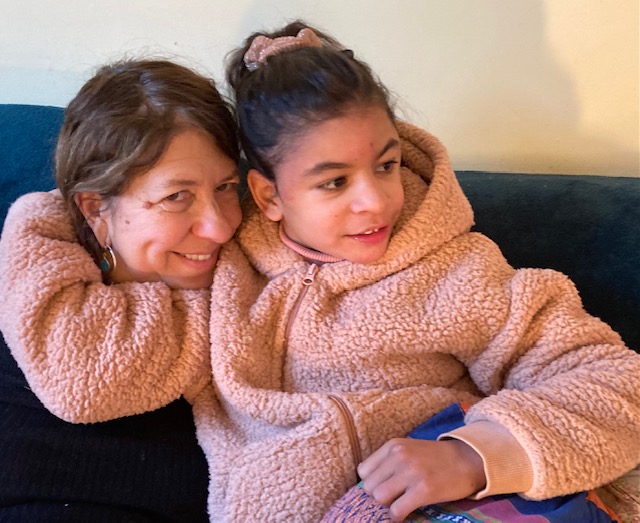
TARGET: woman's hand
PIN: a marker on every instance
(405, 473)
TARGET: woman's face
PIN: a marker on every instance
(171, 221)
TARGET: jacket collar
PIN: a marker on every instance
(435, 211)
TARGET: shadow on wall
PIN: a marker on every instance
(495, 92)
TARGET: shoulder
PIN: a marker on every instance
(38, 203)
(40, 211)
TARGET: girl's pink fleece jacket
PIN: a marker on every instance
(308, 379)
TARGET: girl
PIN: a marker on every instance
(356, 304)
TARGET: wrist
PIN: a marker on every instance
(471, 465)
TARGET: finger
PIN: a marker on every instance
(373, 461)
(390, 490)
(378, 476)
(407, 502)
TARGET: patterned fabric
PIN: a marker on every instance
(357, 506)
(623, 495)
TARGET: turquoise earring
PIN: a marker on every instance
(108, 260)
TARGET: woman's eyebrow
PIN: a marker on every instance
(188, 182)
(172, 182)
(321, 167)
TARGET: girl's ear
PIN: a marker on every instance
(265, 194)
(91, 207)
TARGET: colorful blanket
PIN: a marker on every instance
(356, 506)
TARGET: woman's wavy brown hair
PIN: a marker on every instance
(122, 120)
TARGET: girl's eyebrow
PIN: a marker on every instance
(327, 166)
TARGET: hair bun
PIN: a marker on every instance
(263, 47)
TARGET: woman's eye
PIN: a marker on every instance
(177, 196)
(336, 183)
(177, 202)
(227, 186)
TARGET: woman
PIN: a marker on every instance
(146, 171)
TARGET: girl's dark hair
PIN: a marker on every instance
(121, 122)
(294, 90)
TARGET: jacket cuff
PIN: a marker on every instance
(506, 464)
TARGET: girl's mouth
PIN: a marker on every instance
(373, 235)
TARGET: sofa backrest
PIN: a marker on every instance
(27, 140)
(585, 226)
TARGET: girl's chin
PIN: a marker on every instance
(365, 258)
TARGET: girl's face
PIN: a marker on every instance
(338, 187)
(171, 221)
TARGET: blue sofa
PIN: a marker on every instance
(140, 469)
(585, 226)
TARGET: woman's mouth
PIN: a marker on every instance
(197, 257)
(200, 260)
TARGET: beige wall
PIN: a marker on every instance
(508, 85)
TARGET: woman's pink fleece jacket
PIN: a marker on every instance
(309, 379)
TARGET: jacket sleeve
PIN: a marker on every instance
(89, 351)
(559, 380)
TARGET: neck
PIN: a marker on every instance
(303, 251)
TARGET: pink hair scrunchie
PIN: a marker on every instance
(263, 47)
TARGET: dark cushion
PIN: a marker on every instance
(27, 141)
(140, 469)
(587, 227)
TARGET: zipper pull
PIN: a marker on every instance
(311, 274)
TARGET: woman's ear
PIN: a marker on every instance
(265, 194)
(91, 206)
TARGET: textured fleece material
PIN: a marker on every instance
(310, 379)
(373, 350)
(89, 351)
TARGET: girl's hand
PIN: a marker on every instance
(406, 473)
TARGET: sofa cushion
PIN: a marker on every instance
(587, 227)
(584, 226)
(27, 140)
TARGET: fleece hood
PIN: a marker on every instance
(435, 211)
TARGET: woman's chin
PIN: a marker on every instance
(192, 283)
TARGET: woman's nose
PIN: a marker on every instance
(214, 224)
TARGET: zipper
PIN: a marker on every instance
(347, 417)
(307, 281)
(352, 434)
(311, 275)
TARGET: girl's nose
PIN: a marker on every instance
(369, 196)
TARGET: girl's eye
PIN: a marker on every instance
(387, 166)
(177, 202)
(336, 183)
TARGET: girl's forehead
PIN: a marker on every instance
(351, 141)
(364, 126)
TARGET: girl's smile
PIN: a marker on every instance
(374, 235)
